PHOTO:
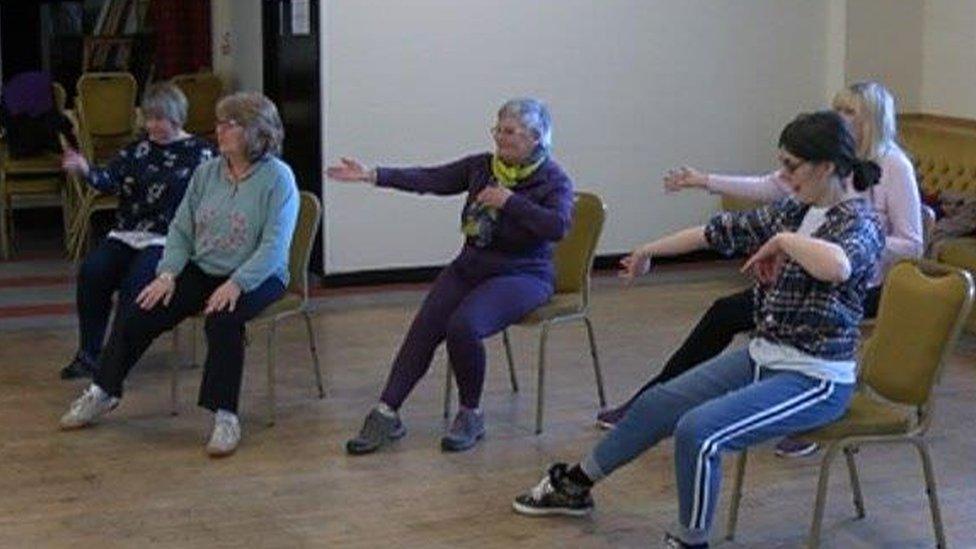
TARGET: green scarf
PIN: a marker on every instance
(510, 176)
(478, 220)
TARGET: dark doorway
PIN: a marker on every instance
(20, 31)
(291, 80)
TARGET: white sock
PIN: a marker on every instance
(385, 409)
(98, 392)
(224, 415)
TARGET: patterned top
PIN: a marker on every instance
(817, 317)
(150, 180)
(241, 230)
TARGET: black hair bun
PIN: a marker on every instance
(866, 174)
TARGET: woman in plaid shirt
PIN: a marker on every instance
(813, 255)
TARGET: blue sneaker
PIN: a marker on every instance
(466, 430)
(795, 447)
(609, 418)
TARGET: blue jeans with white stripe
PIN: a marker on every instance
(720, 406)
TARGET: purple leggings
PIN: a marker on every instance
(462, 309)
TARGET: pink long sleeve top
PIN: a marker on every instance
(895, 198)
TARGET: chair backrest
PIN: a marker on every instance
(106, 111)
(309, 216)
(928, 225)
(923, 307)
(574, 254)
(202, 90)
(60, 96)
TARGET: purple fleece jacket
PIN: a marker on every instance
(532, 220)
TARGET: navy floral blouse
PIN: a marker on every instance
(150, 180)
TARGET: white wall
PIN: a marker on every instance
(949, 58)
(885, 43)
(237, 50)
(635, 86)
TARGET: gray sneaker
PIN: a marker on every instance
(378, 429)
(466, 430)
(88, 407)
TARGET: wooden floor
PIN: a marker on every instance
(141, 478)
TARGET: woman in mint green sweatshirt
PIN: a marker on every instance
(226, 255)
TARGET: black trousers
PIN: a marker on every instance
(726, 317)
(135, 329)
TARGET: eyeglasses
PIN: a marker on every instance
(227, 124)
(497, 131)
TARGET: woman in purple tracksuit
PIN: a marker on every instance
(519, 203)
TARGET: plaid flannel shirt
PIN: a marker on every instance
(817, 317)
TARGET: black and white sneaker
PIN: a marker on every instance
(555, 494)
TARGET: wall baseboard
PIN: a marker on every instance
(608, 262)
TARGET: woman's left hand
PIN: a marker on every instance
(494, 196)
(766, 264)
(223, 298)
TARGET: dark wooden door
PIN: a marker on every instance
(291, 80)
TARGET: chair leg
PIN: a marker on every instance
(271, 373)
(5, 221)
(194, 332)
(855, 481)
(315, 353)
(596, 363)
(511, 362)
(818, 508)
(740, 473)
(923, 452)
(447, 391)
(540, 387)
(175, 376)
(78, 235)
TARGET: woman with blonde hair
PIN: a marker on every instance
(869, 109)
(226, 256)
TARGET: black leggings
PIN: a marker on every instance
(726, 317)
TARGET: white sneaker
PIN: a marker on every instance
(94, 402)
(226, 434)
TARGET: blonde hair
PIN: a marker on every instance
(258, 116)
(875, 109)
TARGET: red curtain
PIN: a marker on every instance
(182, 36)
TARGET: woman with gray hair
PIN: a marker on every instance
(226, 255)
(519, 203)
(150, 177)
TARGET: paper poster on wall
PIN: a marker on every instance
(301, 22)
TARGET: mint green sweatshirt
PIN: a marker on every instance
(242, 230)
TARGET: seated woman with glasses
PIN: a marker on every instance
(813, 255)
(226, 256)
(150, 177)
(518, 203)
(870, 109)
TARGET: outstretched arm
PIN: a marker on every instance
(682, 242)
(446, 179)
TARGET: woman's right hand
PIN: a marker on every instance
(161, 288)
(638, 263)
(350, 169)
(684, 177)
(73, 161)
